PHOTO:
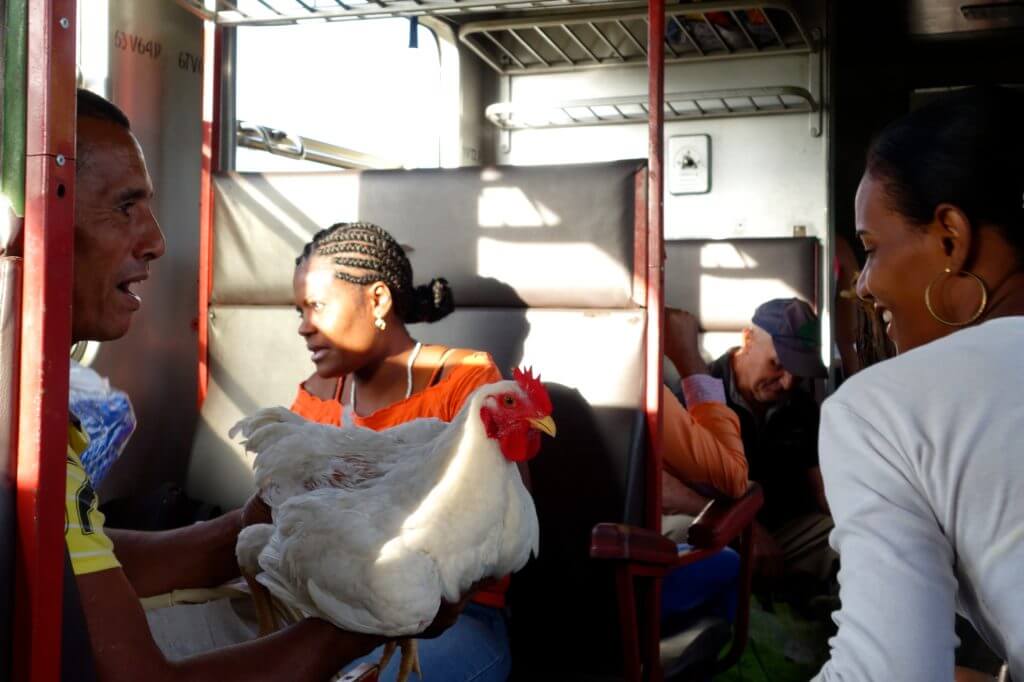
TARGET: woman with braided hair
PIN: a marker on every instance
(354, 294)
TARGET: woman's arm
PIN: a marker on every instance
(897, 585)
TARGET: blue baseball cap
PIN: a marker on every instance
(795, 332)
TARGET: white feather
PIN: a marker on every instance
(373, 529)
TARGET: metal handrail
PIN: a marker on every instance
(280, 143)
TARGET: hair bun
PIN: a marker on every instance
(431, 302)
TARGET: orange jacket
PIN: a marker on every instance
(703, 445)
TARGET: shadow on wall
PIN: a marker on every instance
(500, 331)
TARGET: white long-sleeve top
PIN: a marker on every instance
(923, 461)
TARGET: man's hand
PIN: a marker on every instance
(682, 332)
(256, 511)
(679, 498)
(767, 554)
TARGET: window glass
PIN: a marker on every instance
(355, 84)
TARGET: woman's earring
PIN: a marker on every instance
(948, 272)
(380, 324)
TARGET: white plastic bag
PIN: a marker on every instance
(106, 416)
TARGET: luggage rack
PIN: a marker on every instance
(530, 43)
(678, 107)
(283, 12)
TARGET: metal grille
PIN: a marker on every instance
(678, 107)
(281, 12)
(694, 31)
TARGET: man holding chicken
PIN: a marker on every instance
(116, 239)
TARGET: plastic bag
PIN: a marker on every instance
(107, 418)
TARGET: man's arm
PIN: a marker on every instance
(679, 498)
(703, 444)
(124, 649)
(200, 555)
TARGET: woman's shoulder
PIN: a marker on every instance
(461, 360)
(962, 357)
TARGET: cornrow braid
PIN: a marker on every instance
(368, 247)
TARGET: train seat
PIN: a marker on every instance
(723, 281)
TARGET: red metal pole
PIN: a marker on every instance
(211, 138)
(655, 311)
(45, 338)
(655, 251)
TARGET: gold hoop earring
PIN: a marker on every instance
(977, 313)
(380, 324)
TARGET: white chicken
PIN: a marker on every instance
(373, 529)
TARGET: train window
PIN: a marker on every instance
(354, 84)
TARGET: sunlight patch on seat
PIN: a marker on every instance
(510, 207)
(573, 265)
(726, 256)
(733, 299)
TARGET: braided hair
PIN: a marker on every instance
(369, 249)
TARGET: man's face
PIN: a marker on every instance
(116, 234)
(760, 376)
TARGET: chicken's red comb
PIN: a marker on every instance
(533, 389)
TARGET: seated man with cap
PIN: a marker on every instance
(779, 427)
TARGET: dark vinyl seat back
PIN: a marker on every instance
(723, 281)
(542, 262)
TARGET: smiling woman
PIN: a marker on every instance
(938, 212)
(920, 453)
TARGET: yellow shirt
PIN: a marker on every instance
(90, 548)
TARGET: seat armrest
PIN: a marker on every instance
(364, 672)
(724, 519)
(631, 543)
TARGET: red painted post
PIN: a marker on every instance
(45, 338)
(655, 251)
(655, 312)
(211, 138)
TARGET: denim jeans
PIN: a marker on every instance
(706, 588)
(474, 649)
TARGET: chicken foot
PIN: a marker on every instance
(410, 661)
(262, 600)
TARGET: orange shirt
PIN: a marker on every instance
(703, 445)
(441, 400)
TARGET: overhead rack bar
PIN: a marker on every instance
(274, 141)
(618, 36)
(282, 12)
(680, 106)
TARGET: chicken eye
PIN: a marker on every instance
(509, 401)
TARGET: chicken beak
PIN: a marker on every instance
(545, 425)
